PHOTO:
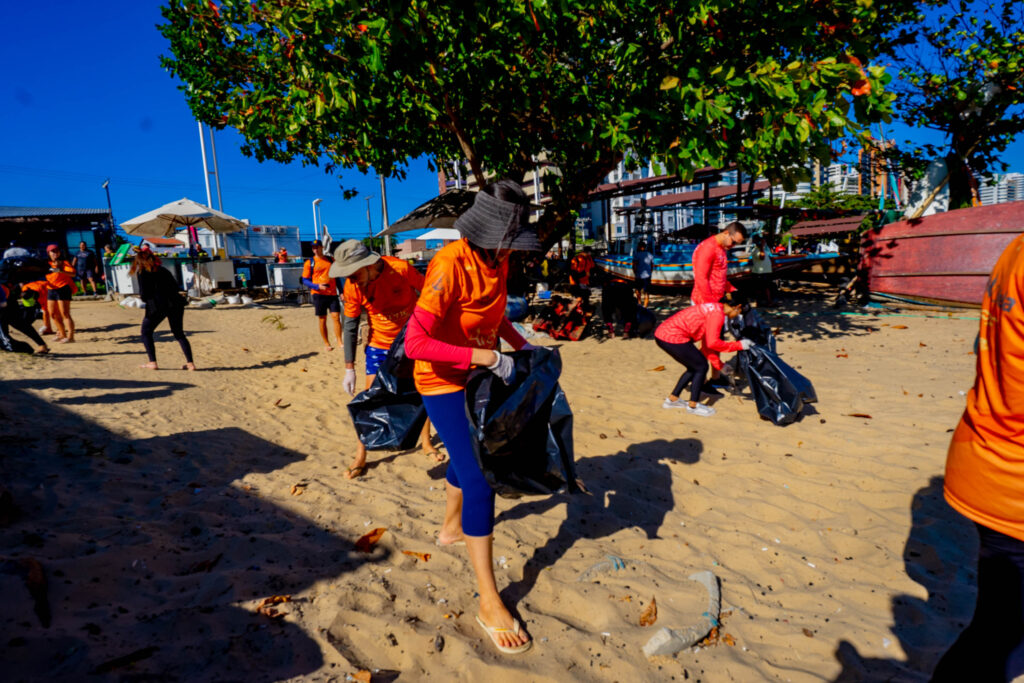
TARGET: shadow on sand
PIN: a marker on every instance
(941, 555)
(628, 489)
(146, 547)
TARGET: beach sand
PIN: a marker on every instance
(154, 511)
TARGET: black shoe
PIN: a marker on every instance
(710, 390)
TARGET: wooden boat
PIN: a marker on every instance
(942, 259)
(673, 264)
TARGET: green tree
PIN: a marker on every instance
(964, 77)
(585, 83)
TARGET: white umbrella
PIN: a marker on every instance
(164, 221)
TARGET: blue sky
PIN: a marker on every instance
(84, 98)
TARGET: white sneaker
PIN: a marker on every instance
(701, 410)
(678, 403)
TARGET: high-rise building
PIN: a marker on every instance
(998, 189)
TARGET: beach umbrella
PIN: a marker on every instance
(439, 212)
(164, 221)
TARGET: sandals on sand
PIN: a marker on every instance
(493, 632)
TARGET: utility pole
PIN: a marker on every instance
(369, 222)
(384, 215)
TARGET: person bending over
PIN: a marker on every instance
(315, 275)
(456, 325)
(160, 291)
(387, 289)
(18, 307)
(676, 337)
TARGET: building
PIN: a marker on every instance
(165, 245)
(998, 189)
(35, 227)
(255, 241)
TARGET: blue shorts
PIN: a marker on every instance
(374, 357)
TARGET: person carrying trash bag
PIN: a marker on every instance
(386, 288)
(677, 336)
(456, 325)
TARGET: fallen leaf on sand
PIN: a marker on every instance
(650, 614)
(303, 370)
(297, 489)
(602, 436)
(265, 608)
(899, 327)
(921, 344)
(728, 640)
(620, 433)
(660, 368)
(361, 676)
(865, 415)
(809, 633)
(419, 556)
(274, 600)
(842, 355)
(244, 349)
(628, 598)
(368, 540)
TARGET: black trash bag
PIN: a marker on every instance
(779, 391)
(750, 325)
(523, 431)
(646, 321)
(22, 269)
(390, 414)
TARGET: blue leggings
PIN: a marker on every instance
(448, 414)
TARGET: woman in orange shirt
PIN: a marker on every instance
(60, 282)
(456, 325)
(985, 483)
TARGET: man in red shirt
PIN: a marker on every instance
(710, 264)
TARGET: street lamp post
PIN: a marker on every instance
(110, 219)
(316, 221)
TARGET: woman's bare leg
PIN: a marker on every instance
(65, 310)
(492, 610)
(56, 318)
(428, 447)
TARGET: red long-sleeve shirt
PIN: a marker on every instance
(702, 322)
(710, 267)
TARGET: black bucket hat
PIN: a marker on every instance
(493, 223)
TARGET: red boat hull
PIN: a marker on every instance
(945, 258)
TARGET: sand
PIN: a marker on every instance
(154, 511)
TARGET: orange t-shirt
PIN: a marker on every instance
(388, 300)
(469, 297)
(318, 275)
(40, 287)
(985, 463)
(62, 278)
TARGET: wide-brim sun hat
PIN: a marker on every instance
(493, 223)
(350, 256)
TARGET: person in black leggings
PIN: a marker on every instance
(160, 291)
(676, 337)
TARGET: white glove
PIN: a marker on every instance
(503, 367)
(349, 383)
(746, 344)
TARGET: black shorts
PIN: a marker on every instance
(325, 302)
(61, 293)
(85, 275)
(643, 284)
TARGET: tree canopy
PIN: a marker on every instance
(964, 77)
(585, 83)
